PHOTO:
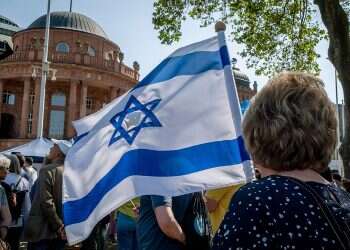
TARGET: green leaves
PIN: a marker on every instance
(167, 18)
(276, 34)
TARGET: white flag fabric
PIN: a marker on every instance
(176, 132)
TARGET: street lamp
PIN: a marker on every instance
(37, 69)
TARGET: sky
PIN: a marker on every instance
(128, 23)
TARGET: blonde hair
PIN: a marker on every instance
(291, 124)
(4, 162)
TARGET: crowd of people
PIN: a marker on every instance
(296, 201)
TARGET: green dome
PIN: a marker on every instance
(70, 21)
(7, 27)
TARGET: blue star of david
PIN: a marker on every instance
(133, 125)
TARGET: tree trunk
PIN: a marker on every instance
(336, 21)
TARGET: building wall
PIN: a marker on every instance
(80, 77)
(245, 93)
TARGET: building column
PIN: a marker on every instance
(83, 96)
(1, 92)
(113, 93)
(36, 107)
(72, 106)
(25, 107)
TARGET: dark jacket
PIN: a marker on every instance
(45, 217)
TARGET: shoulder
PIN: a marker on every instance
(263, 190)
(25, 182)
(271, 182)
(31, 170)
(158, 201)
(51, 168)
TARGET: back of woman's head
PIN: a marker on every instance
(291, 124)
(14, 165)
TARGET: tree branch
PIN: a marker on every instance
(336, 21)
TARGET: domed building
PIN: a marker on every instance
(7, 29)
(86, 72)
(243, 85)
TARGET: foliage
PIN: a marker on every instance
(276, 34)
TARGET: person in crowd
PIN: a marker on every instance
(5, 215)
(45, 229)
(337, 178)
(29, 172)
(290, 132)
(96, 240)
(21, 160)
(218, 201)
(20, 203)
(158, 226)
(327, 174)
(126, 225)
(346, 184)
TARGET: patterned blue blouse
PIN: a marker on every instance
(277, 213)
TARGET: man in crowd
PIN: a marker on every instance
(159, 224)
(29, 172)
(45, 228)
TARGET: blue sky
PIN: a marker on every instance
(129, 24)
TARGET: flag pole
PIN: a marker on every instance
(231, 89)
(44, 73)
(220, 28)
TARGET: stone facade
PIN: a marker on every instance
(245, 92)
(86, 72)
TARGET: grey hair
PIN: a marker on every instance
(4, 162)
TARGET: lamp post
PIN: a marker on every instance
(44, 73)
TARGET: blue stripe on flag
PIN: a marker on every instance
(160, 164)
(189, 64)
(79, 137)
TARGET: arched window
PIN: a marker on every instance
(91, 51)
(58, 99)
(62, 47)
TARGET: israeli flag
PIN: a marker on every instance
(178, 131)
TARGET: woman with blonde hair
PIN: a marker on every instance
(290, 132)
(20, 206)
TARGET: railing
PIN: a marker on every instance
(79, 59)
(17, 56)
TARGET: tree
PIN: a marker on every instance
(276, 35)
